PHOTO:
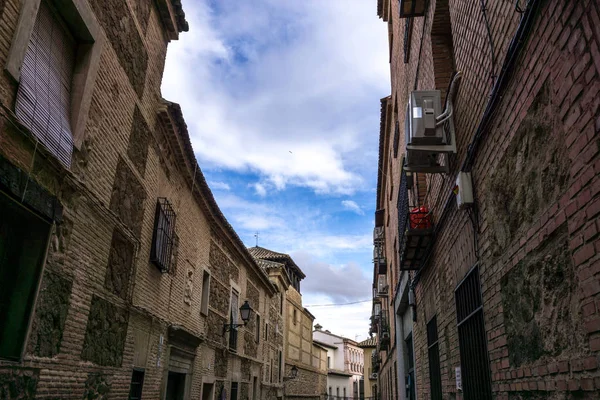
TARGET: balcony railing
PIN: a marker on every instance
(415, 228)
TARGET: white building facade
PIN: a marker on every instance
(345, 365)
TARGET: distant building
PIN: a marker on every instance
(345, 365)
(296, 329)
(370, 370)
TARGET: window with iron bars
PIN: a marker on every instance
(435, 376)
(472, 339)
(164, 238)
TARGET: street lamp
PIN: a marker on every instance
(293, 374)
(245, 310)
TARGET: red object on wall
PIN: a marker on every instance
(420, 218)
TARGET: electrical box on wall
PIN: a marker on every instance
(464, 189)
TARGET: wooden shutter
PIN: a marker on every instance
(44, 97)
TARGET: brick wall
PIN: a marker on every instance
(536, 182)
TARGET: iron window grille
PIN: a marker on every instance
(163, 238)
(475, 366)
(435, 375)
(137, 382)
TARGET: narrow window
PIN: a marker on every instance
(234, 390)
(233, 317)
(23, 241)
(205, 292)
(281, 303)
(44, 97)
(164, 235)
(345, 394)
(280, 366)
(328, 362)
(257, 328)
(266, 331)
(137, 382)
(295, 317)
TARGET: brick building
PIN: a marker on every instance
(299, 349)
(120, 277)
(494, 296)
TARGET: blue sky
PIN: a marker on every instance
(282, 102)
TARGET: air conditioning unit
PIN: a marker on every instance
(429, 138)
(429, 130)
(374, 375)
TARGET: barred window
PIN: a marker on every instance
(164, 238)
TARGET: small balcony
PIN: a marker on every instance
(415, 226)
(379, 259)
(382, 286)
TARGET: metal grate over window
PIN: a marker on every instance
(164, 237)
(43, 102)
(475, 366)
(435, 376)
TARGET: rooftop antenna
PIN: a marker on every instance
(256, 236)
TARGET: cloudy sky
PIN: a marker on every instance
(282, 101)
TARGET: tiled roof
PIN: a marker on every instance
(266, 264)
(372, 342)
(270, 255)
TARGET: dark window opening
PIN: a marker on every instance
(23, 242)
(137, 382)
(408, 27)
(175, 386)
(472, 339)
(435, 375)
(163, 238)
(410, 368)
(257, 333)
(234, 390)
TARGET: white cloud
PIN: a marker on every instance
(215, 185)
(260, 189)
(288, 90)
(345, 283)
(352, 206)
